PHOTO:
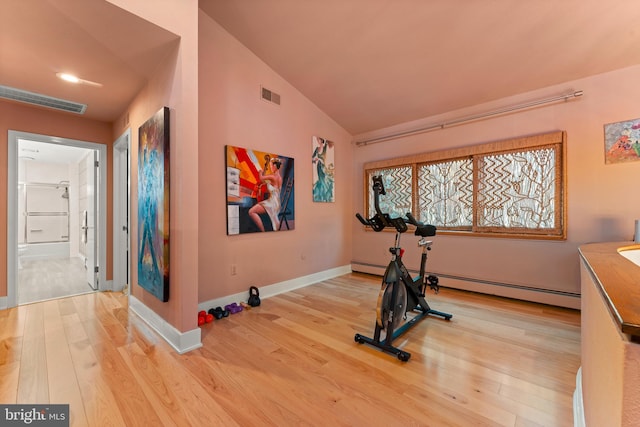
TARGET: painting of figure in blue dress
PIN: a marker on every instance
(260, 191)
(323, 170)
(153, 205)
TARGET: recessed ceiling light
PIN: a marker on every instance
(73, 79)
(68, 77)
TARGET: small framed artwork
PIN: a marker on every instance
(260, 191)
(622, 141)
(323, 170)
(153, 205)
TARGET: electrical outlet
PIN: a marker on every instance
(234, 271)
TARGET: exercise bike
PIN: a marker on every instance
(400, 294)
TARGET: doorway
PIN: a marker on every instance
(121, 206)
(91, 235)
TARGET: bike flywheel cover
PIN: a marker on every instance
(385, 306)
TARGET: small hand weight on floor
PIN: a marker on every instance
(254, 297)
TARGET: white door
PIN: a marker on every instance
(89, 222)
(121, 213)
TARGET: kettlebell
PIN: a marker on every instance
(254, 297)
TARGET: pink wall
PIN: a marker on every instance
(211, 84)
(602, 199)
(231, 112)
(223, 107)
(18, 117)
(174, 85)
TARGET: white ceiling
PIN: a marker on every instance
(50, 153)
(368, 64)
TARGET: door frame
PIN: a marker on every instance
(12, 206)
(121, 211)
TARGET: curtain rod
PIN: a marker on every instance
(475, 117)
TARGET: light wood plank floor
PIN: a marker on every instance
(293, 362)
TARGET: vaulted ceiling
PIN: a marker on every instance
(367, 63)
(370, 64)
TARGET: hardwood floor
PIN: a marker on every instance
(293, 362)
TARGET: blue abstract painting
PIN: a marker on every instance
(153, 205)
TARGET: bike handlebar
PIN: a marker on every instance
(412, 220)
(381, 220)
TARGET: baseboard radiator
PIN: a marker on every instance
(508, 290)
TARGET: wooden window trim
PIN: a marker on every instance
(555, 139)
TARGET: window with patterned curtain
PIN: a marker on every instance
(397, 182)
(512, 188)
(445, 193)
(517, 191)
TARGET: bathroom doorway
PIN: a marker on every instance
(56, 188)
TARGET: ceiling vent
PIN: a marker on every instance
(269, 96)
(14, 94)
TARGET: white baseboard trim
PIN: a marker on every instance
(578, 405)
(506, 290)
(182, 342)
(277, 288)
(108, 286)
(4, 303)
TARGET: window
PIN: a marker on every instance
(445, 193)
(512, 188)
(397, 182)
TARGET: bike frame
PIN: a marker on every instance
(396, 275)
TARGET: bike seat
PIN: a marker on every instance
(425, 230)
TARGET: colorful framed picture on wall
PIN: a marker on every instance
(323, 170)
(622, 141)
(153, 205)
(260, 191)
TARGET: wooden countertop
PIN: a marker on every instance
(618, 280)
